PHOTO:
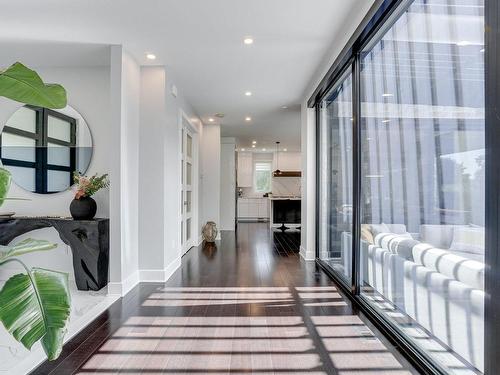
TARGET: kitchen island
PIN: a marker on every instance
(285, 212)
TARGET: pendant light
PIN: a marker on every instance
(277, 172)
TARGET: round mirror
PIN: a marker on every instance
(43, 148)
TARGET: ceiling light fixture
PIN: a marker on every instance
(285, 150)
(253, 146)
(263, 149)
(254, 142)
(248, 93)
(242, 149)
(248, 118)
(248, 40)
(284, 107)
(150, 56)
(210, 119)
(277, 172)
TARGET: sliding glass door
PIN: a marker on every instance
(423, 179)
(335, 190)
(416, 127)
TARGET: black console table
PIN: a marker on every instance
(88, 240)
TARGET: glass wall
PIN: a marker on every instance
(335, 203)
(422, 179)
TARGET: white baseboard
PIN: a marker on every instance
(159, 276)
(152, 276)
(172, 267)
(306, 255)
(125, 286)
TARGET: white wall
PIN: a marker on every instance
(88, 93)
(308, 203)
(134, 120)
(152, 194)
(123, 154)
(159, 165)
(308, 133)
(210, 173)
(228, 184)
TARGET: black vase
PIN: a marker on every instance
(83, 208)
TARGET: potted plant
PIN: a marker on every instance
(83, 207)
(35, 305)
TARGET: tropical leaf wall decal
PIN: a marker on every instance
(24, 85)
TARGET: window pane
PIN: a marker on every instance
(23, 119)
(59, 129)
(335, 237)
(58, 155)
(262, 177)
(422, 179)
(24, 177)
(17, 147)
(58, 180)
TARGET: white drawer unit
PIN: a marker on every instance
(253, 208)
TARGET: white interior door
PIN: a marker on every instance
(187, 200)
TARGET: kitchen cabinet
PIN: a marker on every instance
(245, 169)
(253, 208)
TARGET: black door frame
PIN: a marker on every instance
(381, 16)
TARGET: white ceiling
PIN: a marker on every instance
(201, 42)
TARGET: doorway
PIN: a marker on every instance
(189, 166)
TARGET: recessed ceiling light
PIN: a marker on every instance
(285, 150)
(463, 43)
(284, 106)
(254, 142)
(248, 93)
(253, 146)
(211, 119)
(150, 56)
(263, 149)
(387, 95)
(248, 118)
(242, 149)
(248, 40)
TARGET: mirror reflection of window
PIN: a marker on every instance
(43, 148)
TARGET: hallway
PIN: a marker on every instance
(250, 304)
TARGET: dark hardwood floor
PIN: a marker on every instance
(249, 304)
